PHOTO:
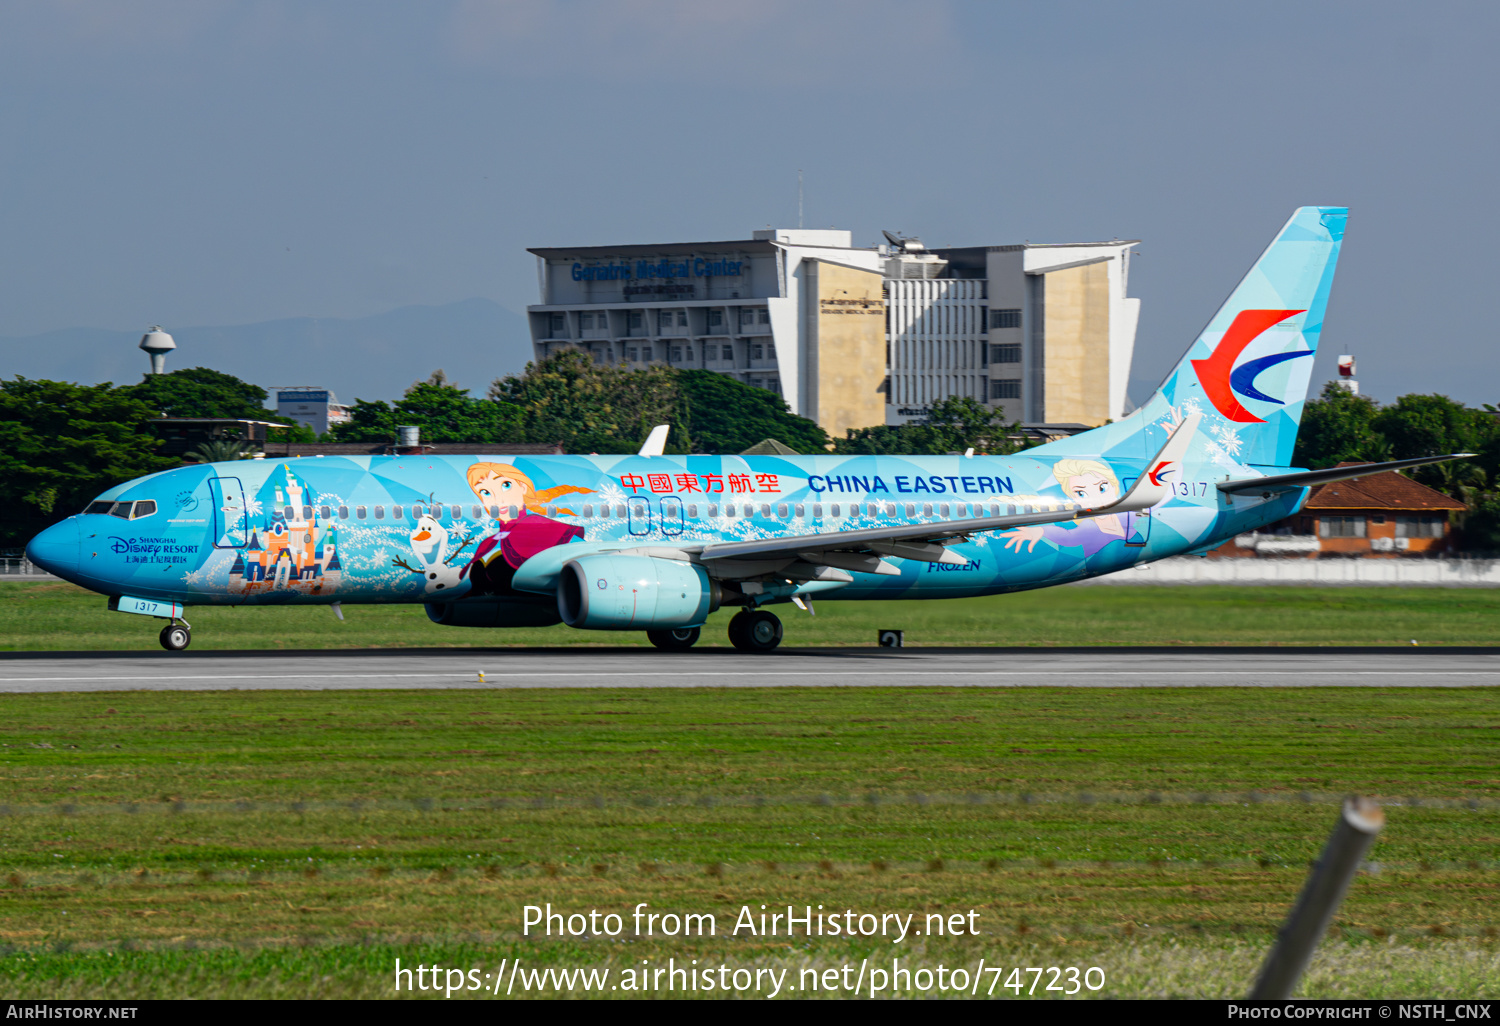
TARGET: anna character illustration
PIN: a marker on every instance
(524, 530)
(1088, 483)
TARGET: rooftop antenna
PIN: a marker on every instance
(799, 197)
(157, 344)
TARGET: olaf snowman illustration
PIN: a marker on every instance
(430, 542)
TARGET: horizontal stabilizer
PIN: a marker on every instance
(1308, 478)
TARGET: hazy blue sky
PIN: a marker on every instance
(204, 162)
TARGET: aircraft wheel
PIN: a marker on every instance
(175, 637)
(679, 640)
(755, 631)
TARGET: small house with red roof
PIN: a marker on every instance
(1381, 516)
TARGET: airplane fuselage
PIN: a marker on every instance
(441, 529)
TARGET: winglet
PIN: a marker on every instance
(1151, 488)
(656, 442)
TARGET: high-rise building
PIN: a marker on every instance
(858, 336)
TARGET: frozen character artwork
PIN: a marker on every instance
(524, 530)
(431, 542)
(1091, 484)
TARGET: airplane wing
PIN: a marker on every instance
(861, 550)
(1308, 478)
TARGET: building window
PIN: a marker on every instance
(666, 320)
(1009, 352)
(747, 316)
(586, 321)
(770, 350)
(635, 320)
(676, 354)
(682, 318)
(728, 353)
(715, 319)
(1005, 318)
(1005, 388)
(632, 354)
(558, 325)
(758, 352)
(774, 384)
(1341, 527)
(1419, 527)
(765, 316)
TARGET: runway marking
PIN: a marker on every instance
(785, 673)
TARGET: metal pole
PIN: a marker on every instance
(1359, 822)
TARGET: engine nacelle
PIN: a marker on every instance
(503, 612)
(611, 592)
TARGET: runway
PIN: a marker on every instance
(323, 670)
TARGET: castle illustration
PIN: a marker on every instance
(291, 550)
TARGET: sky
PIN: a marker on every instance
(213, 162)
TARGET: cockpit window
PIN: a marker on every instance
(122, 510)
(144, 508)
(99, 507)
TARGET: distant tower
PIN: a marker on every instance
(157, 344)
(1346, 374)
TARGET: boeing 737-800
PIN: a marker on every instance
(656, 543)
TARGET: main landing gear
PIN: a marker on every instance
(176, 636)
(755, 630)
(679, 640)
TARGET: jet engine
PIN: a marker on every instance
(610, 592)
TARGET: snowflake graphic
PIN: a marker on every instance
(1229, 438)
(252, 506)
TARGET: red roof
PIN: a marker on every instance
(1388, 490)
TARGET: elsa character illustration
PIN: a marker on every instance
(1091, 484)
(524, 530)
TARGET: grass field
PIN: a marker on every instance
(296, 844)
(38, 616)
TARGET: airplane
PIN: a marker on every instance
(653, 542)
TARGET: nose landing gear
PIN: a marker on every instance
(755, 630)
(175, 636)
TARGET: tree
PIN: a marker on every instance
(444, 413)
(727, 416)
(201, 392)
(65, 444)
(593, 407)
(1430, 425)
(954, 424)
(222, 451)
(1339, 427)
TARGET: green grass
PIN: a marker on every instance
(42, 616)
(295, 844)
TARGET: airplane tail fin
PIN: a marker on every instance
(1247, 372)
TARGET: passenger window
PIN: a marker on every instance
(943, 510)
(307, 513)
(926, 509)
(326, 512)
(359, 512)
(781, 510)
(817, 510)
(729, 509)
(379, 512)
(619, 512)
(834, 509)
(478, 512)
(398, 513)
(495, 512)
(144, 508)
(911, 509)
(713, 509)
(458, 512)
(99, 507)
(588, 510)
(514, 512)
(122, 510)
(801, 510)
(692, 511)
(890, 509)
(765, 510)
(552, 511)
(1010, 511)
(343, 512)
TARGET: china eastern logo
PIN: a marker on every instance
(1221, 379)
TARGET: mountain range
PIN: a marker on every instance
(473, 341)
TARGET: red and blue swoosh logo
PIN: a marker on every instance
(1221, 379)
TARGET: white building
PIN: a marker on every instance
(857, 336)
(316, 408)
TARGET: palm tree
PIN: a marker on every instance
(222, 450)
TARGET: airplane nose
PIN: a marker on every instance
(55, 550)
